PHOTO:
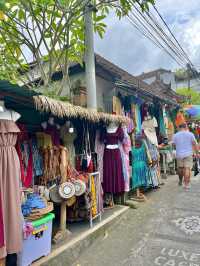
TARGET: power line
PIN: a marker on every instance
(171, 33)
(154, 20)
(152, 38)
(159, 32)
(142, 21)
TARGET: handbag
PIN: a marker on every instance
(87, 156)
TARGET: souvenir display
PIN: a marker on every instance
(74, 163)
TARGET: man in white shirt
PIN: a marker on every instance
(184, 142)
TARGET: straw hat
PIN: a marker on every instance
(67, 190)
(54, 194)
(80, 187)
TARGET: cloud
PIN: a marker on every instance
(124, 46)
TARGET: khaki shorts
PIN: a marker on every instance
(186, 162)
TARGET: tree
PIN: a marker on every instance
(51, 32)
(193, 97)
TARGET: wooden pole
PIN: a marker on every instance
(63, 216)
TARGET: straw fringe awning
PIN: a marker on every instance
(64, 109)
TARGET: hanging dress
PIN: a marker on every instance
(68, 141)
(10, 205)
(113, 179)
(140, 171)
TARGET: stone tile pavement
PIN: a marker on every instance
(164, 231)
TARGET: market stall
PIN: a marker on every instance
(55, 168)
(151, 127)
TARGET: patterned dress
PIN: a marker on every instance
(140, 171)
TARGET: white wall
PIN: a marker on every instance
(168, 77)
(150, 80)
(104, 88)
(104, 91)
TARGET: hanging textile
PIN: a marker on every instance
(37, 159)
(153, 172)
(153, 166)
(44, 140)
(113, 179)
(99, 149)
(140, 171)
(149, 126)
(135, 108)
(126, 146)
(68, 141)
(162, 128)
(93, 197)
(130, 126)
(26, 163)
(10, 189)
(123, 158)
(54, 133)
(117, 106)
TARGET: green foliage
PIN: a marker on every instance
(50, 31)
(181, 74)
(193, 97)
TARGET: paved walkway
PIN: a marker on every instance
(165, 231)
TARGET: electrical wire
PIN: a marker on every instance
(156, 37)
(151, 28)
(154, 20)
(155, 8)
(158, 32)
(145, 32)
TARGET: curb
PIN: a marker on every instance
(70, 251)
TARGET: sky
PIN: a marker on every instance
(127, 48)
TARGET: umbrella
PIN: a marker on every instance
(193, 110)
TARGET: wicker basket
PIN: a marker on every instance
(39, 213)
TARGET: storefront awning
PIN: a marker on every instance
(65, 109)
(32, 103)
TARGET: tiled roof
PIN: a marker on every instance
(165, 91)
(123, 75)
(154, 73)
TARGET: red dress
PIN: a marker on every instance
(113, 179)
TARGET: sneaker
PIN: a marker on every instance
(180, 183)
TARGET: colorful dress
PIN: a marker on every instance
(10, 205)
(113, 179)
(153, 169)
(126, 146)
(140, 171)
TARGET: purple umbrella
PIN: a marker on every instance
(193, 111)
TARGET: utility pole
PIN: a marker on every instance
(90, 59)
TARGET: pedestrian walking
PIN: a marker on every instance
(185, 144)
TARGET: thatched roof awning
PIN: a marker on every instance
(64, 109)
